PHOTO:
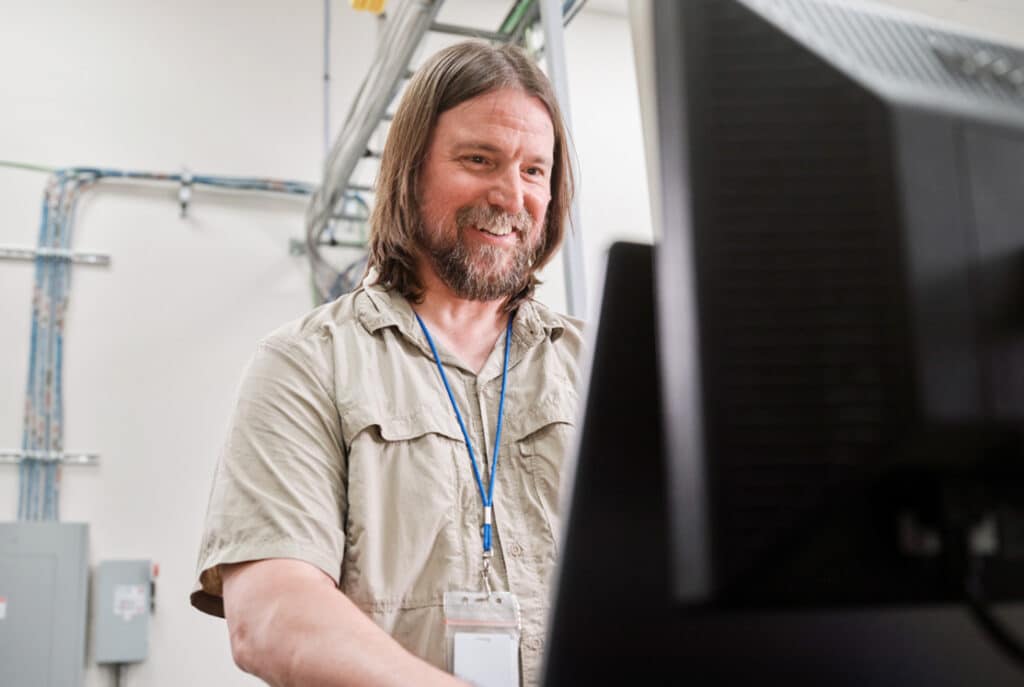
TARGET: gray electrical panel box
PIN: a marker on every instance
(44, 572)
(122, 607)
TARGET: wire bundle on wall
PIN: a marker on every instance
(43, 429)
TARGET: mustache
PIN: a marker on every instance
(491, 219)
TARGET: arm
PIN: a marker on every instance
(290, 625)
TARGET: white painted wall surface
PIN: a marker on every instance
(157, 342)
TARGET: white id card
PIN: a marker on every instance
(486, 659)
(482, 632)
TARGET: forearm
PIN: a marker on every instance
(314, 636)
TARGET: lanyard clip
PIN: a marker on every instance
(485, 572)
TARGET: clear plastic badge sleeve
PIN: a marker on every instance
(482, 637)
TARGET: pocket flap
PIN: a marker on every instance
(556, 406)
(425, 420)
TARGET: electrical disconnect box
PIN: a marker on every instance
(44, 572)
(122, 606)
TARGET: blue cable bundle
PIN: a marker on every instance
(43, 430)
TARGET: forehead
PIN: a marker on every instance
(502, 114)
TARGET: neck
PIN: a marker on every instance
(469, 329)
(442, 308)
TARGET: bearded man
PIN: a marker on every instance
(405, 442)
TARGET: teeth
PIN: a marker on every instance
(498, 232)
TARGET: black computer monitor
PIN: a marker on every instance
(801, 456)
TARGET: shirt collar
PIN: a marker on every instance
(378, 307)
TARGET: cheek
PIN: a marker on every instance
(434, 215)
(536, 200)
(537, 234)
(445, 201)
(538, 208)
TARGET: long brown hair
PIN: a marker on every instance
(452, 76)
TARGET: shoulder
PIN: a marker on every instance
(317, 324)
(307, 345)
(339, 337)
(350, 317)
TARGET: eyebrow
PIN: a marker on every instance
(491, 148)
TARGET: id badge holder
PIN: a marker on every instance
(482, 637)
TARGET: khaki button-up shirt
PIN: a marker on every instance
(344, 452)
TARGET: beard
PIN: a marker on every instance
(481, 272)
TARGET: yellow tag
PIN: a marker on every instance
(375, 6)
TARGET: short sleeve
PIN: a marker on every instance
(279, 487)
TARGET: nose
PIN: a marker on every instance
(507, 191)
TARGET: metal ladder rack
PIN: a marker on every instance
(402, 34)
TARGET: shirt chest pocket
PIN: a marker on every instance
(544, 435)
(401, 532)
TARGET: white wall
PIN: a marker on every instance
(156, 343)
(614, 205)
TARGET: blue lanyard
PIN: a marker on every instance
(488, 496)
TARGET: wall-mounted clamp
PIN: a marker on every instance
(19, 253)
(17, 456)
(185, 192)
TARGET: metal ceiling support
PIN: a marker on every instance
(455, 30)
(327, 76)
(572, 248)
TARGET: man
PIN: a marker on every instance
(348, 464)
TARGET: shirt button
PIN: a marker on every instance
(516, 549)
(533, 644)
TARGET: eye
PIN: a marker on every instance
(475, 159)
(535, 171)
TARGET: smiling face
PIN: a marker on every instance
(484, 190)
